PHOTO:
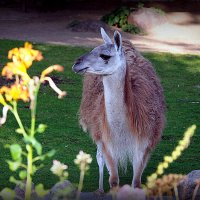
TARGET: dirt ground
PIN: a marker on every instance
(181, 33)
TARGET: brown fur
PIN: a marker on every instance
(143, 98)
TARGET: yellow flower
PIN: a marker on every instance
(165, 165)
(22, 59)
(183, 144)
(179, 148)
(25, 54)
(2, 100)
(168, 159)
(12, 52)
(52, 68)
(13, 68)
(160, 171)
(15, 92)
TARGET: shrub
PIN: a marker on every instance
(119, 18)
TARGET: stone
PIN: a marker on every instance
(127, 192)
(20, 192)
(95, 196)
(146, 18)
(187, 186)
(62, 191)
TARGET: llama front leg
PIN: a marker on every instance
(101, 163)
(112, 167)
(139, 163)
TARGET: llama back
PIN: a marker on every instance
(143, 97)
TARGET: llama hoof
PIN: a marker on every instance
(99, 192)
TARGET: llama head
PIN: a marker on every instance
(105, 59)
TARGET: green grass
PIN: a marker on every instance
(179, 75)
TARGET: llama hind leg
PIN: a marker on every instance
(101, 163)
(139, 163)
(112, 167)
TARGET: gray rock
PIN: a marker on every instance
(20, 192)
(186, 187)
(61, 191)
(94, 196)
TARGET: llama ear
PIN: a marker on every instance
(118, 41)
(105, 37)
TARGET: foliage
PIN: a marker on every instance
(158, 186)
(182, 96)
(131, 29)
(119, 18)
(26, 89)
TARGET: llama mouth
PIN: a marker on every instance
(82, 71)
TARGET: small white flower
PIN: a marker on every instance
(58, 168)
(83, 160)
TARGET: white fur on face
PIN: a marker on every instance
(104, 60)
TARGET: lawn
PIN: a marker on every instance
(179, 76)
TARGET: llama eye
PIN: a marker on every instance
(105, 57)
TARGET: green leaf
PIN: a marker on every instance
(19, 130)
(38, 147)
(13, 166)
(13, 180)
(7, 194)
(40, 190)
(41, 128)
(16, 151)
(48, 154)
(16, 182)
(51, 153)
(34, 169)
(29, 139)
(116, 19)
(35, 143)
(22, 174)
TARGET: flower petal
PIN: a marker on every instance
(52, 68)
(61, 93)
(4, 117)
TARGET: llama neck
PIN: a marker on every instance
(114, 86)
(114, 97)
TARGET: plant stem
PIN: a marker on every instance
(33, 110)
(80, 186)
(15, 112)
(30, 148)
(29, 172)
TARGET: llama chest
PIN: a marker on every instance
(116, 114)
(121, 144)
